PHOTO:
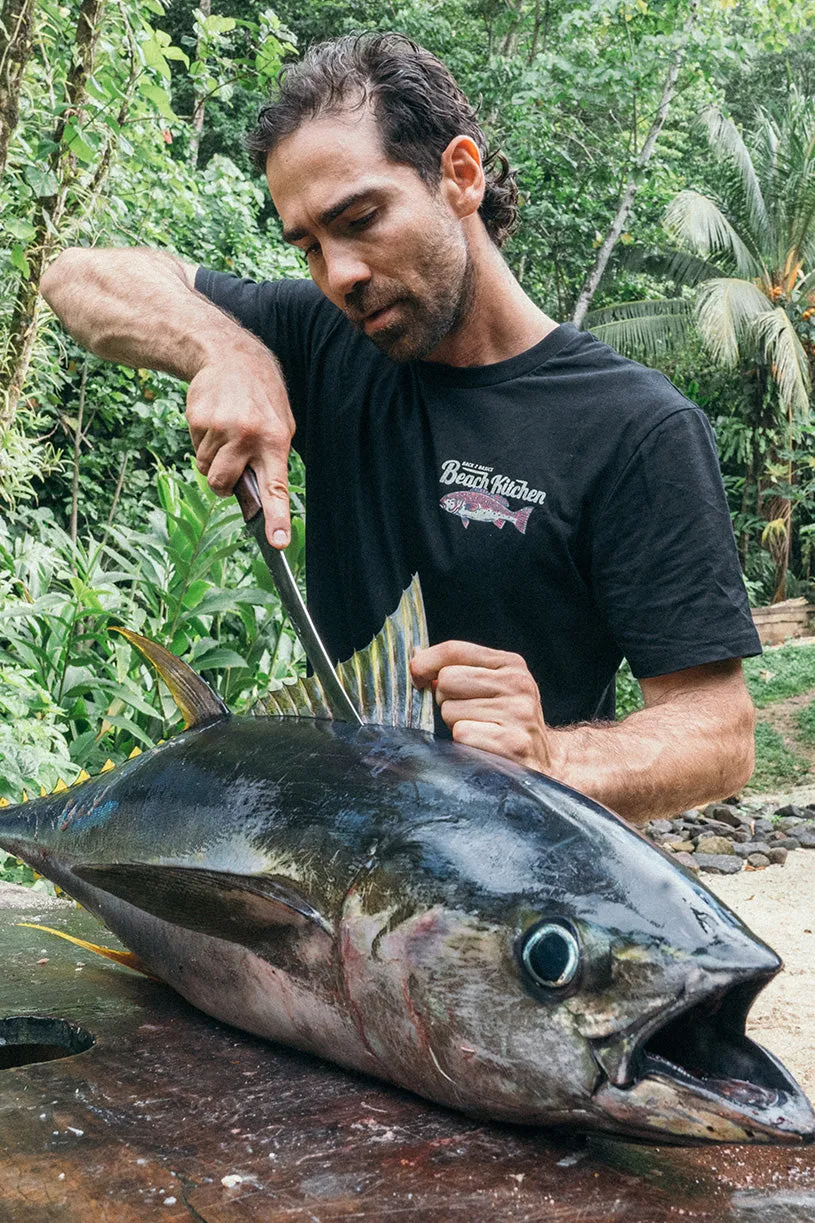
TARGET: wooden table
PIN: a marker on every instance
(166, 1104)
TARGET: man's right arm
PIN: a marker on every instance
(140, 308)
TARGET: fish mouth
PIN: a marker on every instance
(693, 1076)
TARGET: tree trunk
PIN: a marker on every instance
(605, 252)
(16, 22)
(199, 101)
(26, 311)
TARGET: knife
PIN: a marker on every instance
(246, 492)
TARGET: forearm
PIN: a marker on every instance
(139, 307)
(659, 761)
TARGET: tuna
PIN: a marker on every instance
(423, 912)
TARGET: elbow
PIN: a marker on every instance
(741, 742)
(59, 276)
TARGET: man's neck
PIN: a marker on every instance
(502, 323)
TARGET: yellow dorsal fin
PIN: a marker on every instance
(136, 752)
(193, 695)
(107, 766)
(84, 775)
(128, 958)
(59, 787)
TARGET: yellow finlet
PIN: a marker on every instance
(84, 775)
(59, 787)
(43, 792)
(107, 766)
(24, 799)
(3, 801)
(128, 958)
(136, 752)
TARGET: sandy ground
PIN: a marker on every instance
(778, 904)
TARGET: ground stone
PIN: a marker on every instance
(689, 861)
(725, 814)
(806, 838)
(741, 835)
(787, 825)
(790, 811)
(786, 843)
(718, 864)
(714, 845)
(777, 855)
(677, 846)
(762, 828)
(758, 861)
(751, 847)
(661, 826)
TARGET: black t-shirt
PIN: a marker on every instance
(565, 504)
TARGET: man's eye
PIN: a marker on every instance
(308, 251)
(361, 222)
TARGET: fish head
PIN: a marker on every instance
(454, 503)
(546, 964)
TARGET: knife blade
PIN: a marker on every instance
(248, 497)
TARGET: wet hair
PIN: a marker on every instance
(418, 106)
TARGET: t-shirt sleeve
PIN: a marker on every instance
(665, 569)
(292, 318)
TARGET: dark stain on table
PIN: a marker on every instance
(169, 1115)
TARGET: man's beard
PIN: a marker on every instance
(422, 322)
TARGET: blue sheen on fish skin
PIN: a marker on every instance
(363, 893)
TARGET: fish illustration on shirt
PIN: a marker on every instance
(485, 507)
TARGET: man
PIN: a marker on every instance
(562, 506)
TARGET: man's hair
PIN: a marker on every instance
(418, 106)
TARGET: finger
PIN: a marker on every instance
(272, 472)
(465, 683)
(500, 740)
(500, 712)
(426, 664)
(211, 442)
(226, 469)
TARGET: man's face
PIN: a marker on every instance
(383, 246)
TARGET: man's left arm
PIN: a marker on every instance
(691, 744)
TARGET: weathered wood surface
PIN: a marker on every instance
(780, 621)
(146, 1124)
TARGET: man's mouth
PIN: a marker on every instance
(379, 318)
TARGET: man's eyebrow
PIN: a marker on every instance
(330, 214)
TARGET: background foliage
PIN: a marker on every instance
(123, 122)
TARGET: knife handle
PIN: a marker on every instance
(248, 495)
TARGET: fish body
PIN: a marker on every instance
(368, 895)
(485, 507)
(421, 911)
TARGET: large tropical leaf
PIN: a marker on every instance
(696, 222)
(645, 330)
(727, 311)
(726, 140)
(786, 359)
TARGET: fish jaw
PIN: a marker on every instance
(697, 1078)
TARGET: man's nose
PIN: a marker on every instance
(344, 271)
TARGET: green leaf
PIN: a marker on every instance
(20, 229)
(218, 25)
(159, 98)
(219, 657)
(19, 260)
(43, 182)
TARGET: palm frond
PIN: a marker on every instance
(786, 359)
(683, 267)
(726, 140)
(644, 330)
(726, 311)
(694, 221)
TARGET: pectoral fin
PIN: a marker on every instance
(252, 910)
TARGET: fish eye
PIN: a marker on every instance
(550, 953)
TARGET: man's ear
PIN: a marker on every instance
(462, 176)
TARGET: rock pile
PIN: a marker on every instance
(725, 838)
